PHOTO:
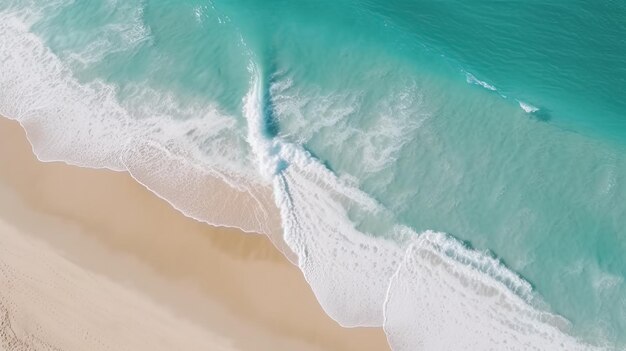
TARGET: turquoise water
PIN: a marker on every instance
(502, 124)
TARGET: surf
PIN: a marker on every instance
(361, 166)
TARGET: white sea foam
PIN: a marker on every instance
(125, 33)
(306, 113)
(66, 120)
(428, 290)
(190, 159)
(346, 269)
(528, 108)
(434, 295)
(471, 79)
(394, 125)
(435, 303)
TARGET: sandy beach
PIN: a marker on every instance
(91, 260)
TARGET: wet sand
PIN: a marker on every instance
(92, 260)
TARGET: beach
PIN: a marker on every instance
(92, 260)
(358, 175)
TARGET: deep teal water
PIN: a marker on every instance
(381, 92)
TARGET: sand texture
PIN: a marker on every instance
(92, 260)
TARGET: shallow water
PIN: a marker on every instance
(370, 125)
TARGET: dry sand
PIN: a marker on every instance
(91, 260)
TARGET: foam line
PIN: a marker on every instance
(427, 290)
(85, 125)
(435, 303)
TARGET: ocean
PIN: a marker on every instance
(453, 171)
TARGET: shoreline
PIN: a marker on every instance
(106, 226)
